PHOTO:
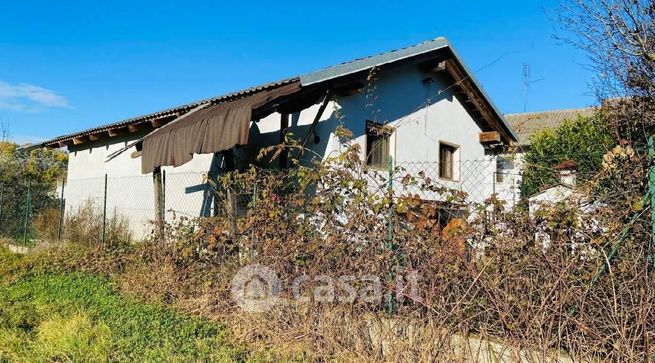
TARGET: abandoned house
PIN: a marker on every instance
(431, 108)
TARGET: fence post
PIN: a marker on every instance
(104, 214)
(28, 203)
(254, 195)
(62, 208)
(163, 197)
(158, 180)
(390, 245)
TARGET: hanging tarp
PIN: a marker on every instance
(209, 130)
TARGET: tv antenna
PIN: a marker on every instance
(527, 81)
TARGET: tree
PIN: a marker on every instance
(619, 39)
(38, 169)
(583, 141)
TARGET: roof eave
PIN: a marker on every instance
(67, 140)
(365, 64)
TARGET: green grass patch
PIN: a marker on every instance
(64, 317)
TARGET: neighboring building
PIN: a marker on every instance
(526, 125)
(424, 108)
(564, 190)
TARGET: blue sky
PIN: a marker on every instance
(71, 65)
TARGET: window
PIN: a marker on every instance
(377, 145)
(447, 161)
(503, 164)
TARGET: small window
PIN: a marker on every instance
(447, 160)
(377, 145)
(503, 165)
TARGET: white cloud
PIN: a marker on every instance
(27, 97)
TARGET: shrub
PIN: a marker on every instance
(583, 141)
(84, 225)
(37, 170)
(46, 224)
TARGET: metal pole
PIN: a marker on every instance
(27, 211)
(163, 196)
(62, 204)
(390, 246)
(254, 196)
(104, 214)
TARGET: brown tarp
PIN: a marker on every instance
(209, 130)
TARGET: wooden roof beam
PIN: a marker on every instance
(490, 137)
(464, 82)
(157, 123)
(135, 128)
(80, 140)
(98, 136)
(65, 143)
(117, 132)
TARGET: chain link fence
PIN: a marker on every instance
(32, 214)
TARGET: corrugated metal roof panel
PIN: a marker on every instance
(365, 63)
(169, 112)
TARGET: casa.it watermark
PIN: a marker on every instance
(258, 288)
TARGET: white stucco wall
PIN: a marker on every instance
(129, 193)
(422, 115)
(509, 189)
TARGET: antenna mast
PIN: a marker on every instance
(526, 85)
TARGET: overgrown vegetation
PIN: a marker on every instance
(533, 284)
(584, 141)
(38, 171)
(537, 285)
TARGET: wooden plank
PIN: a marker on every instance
(490, 137)
(317, 118)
